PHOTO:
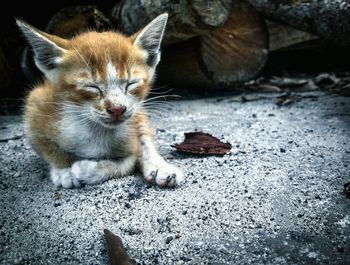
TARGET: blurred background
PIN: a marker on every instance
(209, 47)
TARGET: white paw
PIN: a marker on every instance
(63, 178)
(164, 175)
(86, 172)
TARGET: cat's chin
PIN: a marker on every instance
(112, 124)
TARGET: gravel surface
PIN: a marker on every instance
(277, 198)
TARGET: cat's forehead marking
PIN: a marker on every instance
(112, 73)
(112, 77)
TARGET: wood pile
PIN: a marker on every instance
(208, 44)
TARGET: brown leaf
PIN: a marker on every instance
(202, 143)
(309, 86)
(295, 84)
(269, 88)
(285, 99)
(326, 79)
(286, 81)
(116, 250)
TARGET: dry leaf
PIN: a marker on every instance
(326, 79)
(269, 88)
(202, 143)
(286, 99)
(116, 250)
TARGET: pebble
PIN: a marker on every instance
(169, 239)
(17, 261)
(133, 231)
(347, 190)
(56, 204)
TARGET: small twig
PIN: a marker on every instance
(11, 138)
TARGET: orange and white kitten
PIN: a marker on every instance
(87, 117)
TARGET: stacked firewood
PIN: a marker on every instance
(208, 44)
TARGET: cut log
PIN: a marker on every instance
(282, 36)
(234, 53)
(71, 21)
(326, 18)
(186, 18)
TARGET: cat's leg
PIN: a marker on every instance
(94, 172)
(154, 168)
(60, 162)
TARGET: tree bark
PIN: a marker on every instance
(233, 53)
(186, 18)
(329, 19)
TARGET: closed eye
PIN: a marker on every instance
(93, 89)
(132, 84)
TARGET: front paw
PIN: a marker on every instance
(63, 178)
(164, 175)
(86, 172)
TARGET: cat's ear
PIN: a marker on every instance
(150, 38)
(48, 50)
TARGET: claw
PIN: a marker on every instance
(170, 178)
(165, 176)
(154, 175)
(151, 178)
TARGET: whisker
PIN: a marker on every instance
(165, 97)
(160, 93)
(160, 87)
(158, 108)
(158, 102)
(81, 57)
(165, 104)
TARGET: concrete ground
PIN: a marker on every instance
(276, 199)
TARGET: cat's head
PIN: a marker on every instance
(106, 75)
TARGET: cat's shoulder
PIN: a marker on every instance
(41, 93)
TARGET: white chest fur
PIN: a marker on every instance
(87, 140)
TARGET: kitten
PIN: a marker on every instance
(87, 117)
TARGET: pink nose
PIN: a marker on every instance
(116, 112)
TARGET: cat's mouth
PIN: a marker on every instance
(107, 120)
